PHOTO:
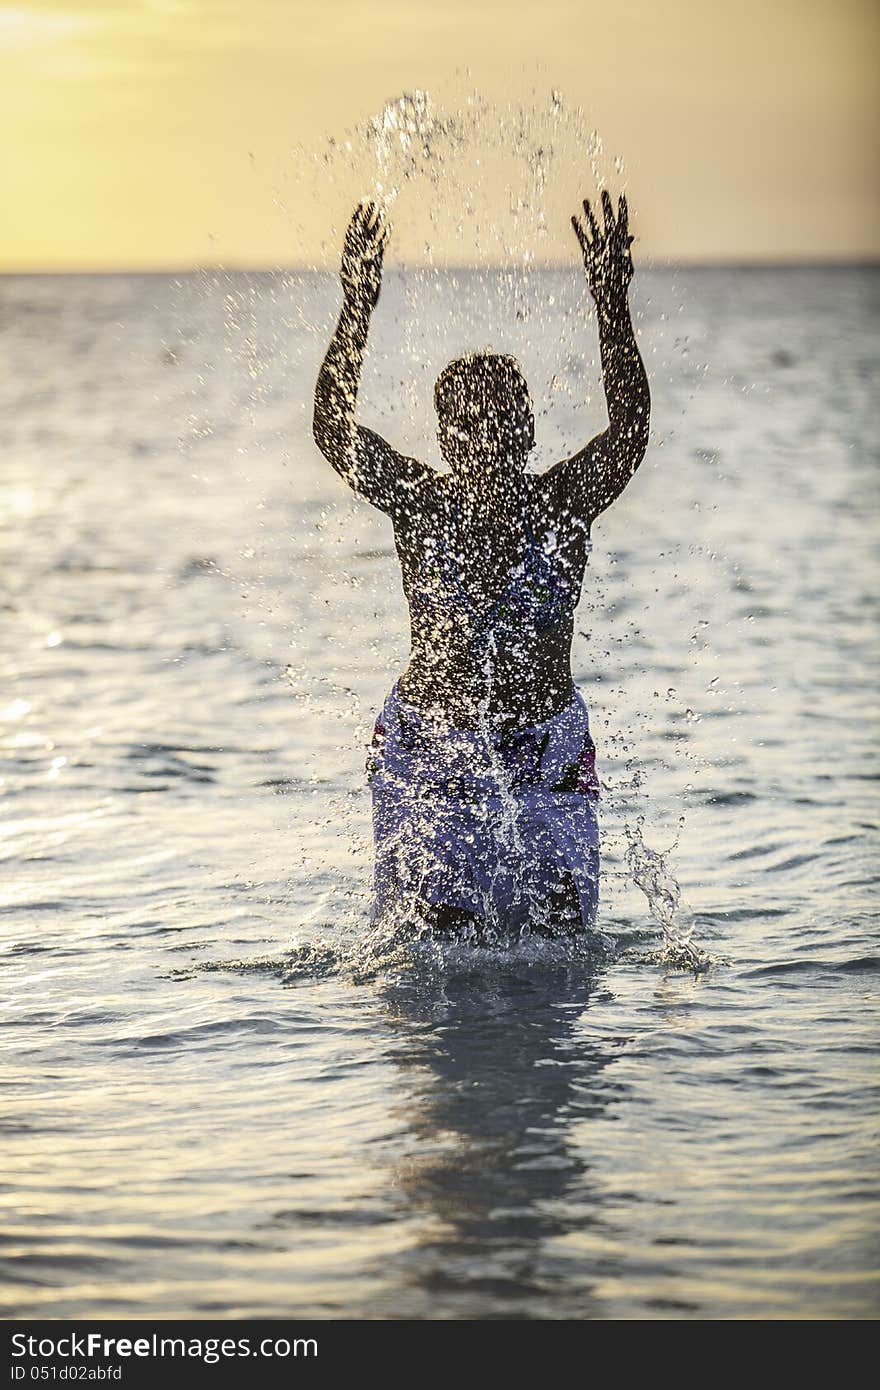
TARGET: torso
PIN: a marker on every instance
(491, 595)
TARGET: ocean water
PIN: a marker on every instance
(220, 1097)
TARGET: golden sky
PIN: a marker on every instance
(171, 133)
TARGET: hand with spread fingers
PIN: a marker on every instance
(362, 255)
(606, 250)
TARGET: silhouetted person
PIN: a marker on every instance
(482, 767)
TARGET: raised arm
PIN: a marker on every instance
(367, 463)
(594, 477)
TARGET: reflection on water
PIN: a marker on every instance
(496, 1070)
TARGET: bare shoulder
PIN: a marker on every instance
(392, 481)
(556, 509)
(421, 503)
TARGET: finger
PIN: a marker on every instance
(580, 234)
(357, 231)
(608, 210)
(375, 217)
(591, 221)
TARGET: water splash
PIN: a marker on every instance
(401, 952)
(488, 182)
(408, 137)
(649, 872)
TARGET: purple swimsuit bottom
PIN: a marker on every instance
(495, 822)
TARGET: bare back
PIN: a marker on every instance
(491, 592)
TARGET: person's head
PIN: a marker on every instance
(486, 426)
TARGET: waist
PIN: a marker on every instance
(427, 724)
(469, 709)
(518, 684)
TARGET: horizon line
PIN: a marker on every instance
(830, 262)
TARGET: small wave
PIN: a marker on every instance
(330, 1216)
(159, 761)
(719, 798)
(756, 851)
(724, 916)
(784, 967)
(860, 965)
(797, 861)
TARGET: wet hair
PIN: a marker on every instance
(484, 411)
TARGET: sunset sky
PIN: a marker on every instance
(172, 133)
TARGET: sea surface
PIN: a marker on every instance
(221, 1096)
